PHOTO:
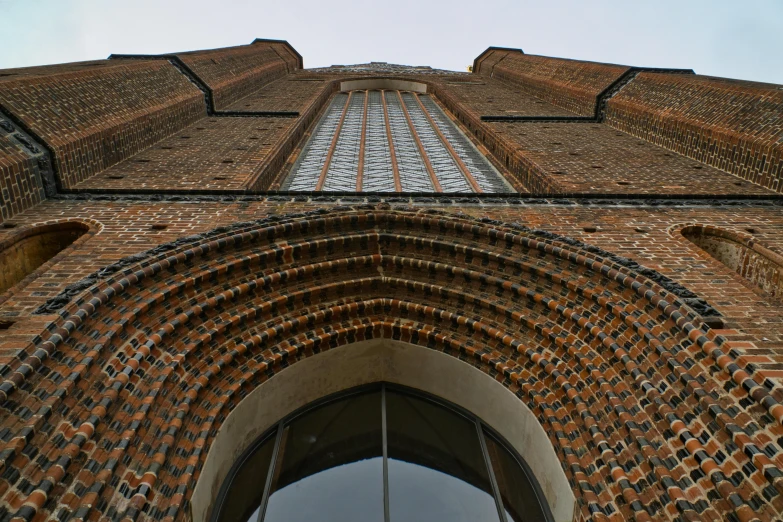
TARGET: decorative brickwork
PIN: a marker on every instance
(624, 382)
(741, 252)
(235, 72)
(708, 119)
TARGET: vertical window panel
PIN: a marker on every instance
(330, 465)
(518, 494)
(436, 467)
(243, 498)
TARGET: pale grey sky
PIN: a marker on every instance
(730, 38)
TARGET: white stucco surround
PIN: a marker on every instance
(383, 83)
(390, 361)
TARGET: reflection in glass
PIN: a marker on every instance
(436, 468)
(516, 491)
(243, 499)
(326, 464)
(330, 465)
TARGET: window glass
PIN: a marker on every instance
(243, 499)
(516, 491)
(330, 465)
(436, 468)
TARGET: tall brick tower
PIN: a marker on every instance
(232, 288)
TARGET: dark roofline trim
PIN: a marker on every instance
(209, 98)
(567, 198)
(601, 101)
(285, 42)
(490, 49)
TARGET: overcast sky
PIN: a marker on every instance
(730, 38)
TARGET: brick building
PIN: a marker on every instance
(583, 258)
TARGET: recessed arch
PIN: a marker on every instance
(141, 370)
(384, 360)
(29, 249)
(741, 253)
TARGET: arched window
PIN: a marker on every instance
(380, 453)
(379, 140)
(23, 253)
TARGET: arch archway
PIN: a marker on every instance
(120, 399)
(384, 360)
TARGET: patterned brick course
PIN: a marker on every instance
(730, 124)
(94, 117)
(624, 384)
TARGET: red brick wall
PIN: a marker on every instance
(594, 158)
(570, 84)
(730, 124)
(20, 186)
(95, 116)
(218, 153)
(235, 72)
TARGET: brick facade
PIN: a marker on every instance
(655, 367)
(730, 124)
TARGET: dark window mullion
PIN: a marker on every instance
(272, 464)
(386, 516)
(488, 462)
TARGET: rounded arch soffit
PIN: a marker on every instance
(29, 251)
(121, 397)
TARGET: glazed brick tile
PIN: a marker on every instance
(539, 338)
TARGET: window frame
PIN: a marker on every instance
(276, 431)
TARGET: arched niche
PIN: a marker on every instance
(742, 254)
(385, 360)
(24, 252)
